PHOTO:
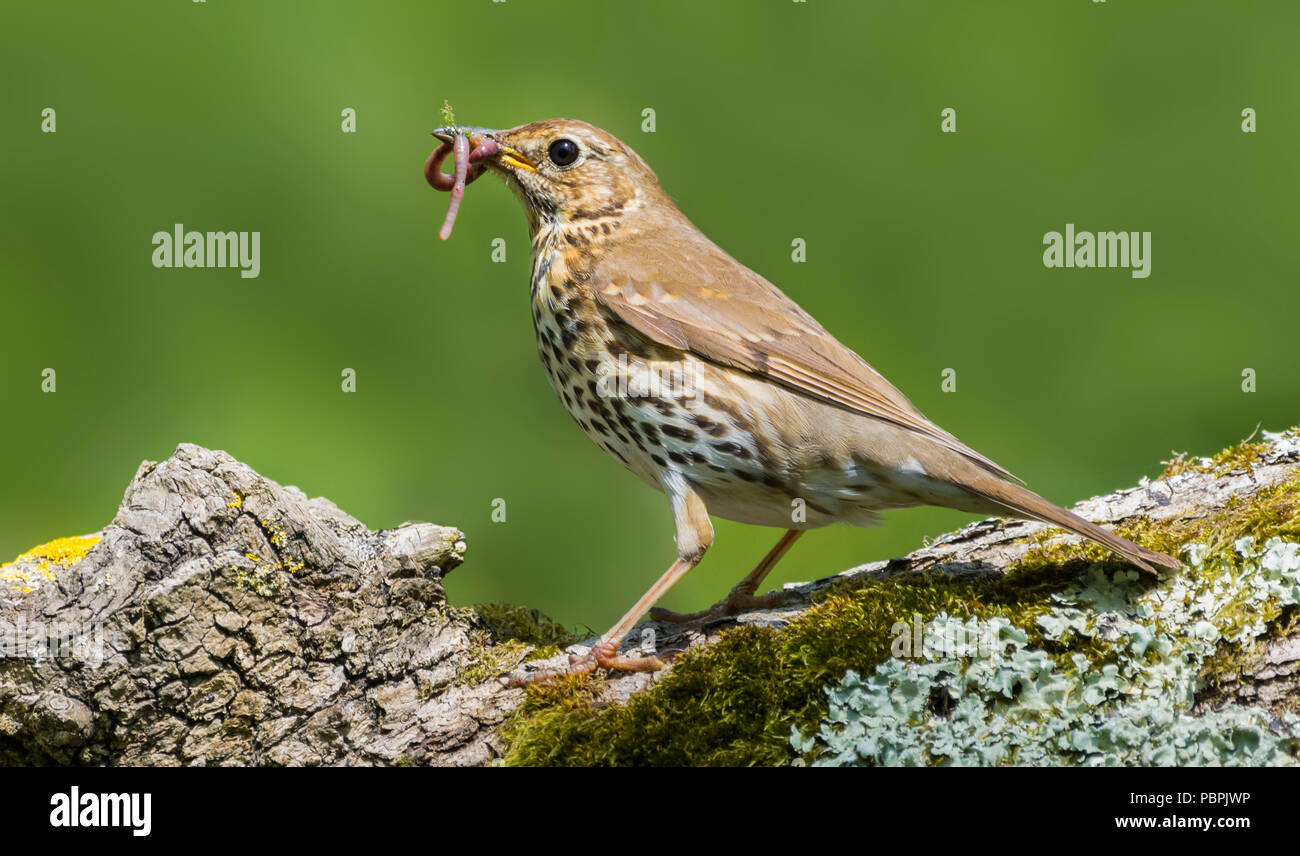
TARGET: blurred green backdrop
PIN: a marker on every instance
(775, 120)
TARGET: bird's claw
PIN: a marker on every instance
(600, 657)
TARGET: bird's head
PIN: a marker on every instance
(565, 170)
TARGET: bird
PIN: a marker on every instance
(711, 385)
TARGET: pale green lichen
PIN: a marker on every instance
(1130, 701)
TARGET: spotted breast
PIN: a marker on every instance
(753, 456)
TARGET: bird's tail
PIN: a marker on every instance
(1023, 502)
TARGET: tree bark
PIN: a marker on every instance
(224, 619)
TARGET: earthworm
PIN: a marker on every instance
(433, 169)
(467, 169)
(461, 149)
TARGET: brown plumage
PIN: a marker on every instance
(769, 414)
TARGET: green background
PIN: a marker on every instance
(775, 120)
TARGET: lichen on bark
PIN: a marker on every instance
(830, 685)
(236, 621)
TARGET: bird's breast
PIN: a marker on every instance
(755, 452)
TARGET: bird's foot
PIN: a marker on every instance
(735, 603)
(603, 656)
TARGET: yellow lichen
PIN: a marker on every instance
(263, 577)
(43, 560)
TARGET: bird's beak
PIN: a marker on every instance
(505, 155)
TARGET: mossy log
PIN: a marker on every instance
(224, 619)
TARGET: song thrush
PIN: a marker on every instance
(707, 382)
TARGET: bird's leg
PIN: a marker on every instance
(742, 597)
(694, 535)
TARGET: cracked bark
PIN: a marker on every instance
(243, 623)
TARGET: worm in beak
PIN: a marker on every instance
(468, 167)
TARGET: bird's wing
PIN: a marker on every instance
(688, 294)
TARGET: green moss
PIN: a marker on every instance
(503, 636)
(1272, 510)
(737, 701)
(734, 702)
(489, 660)
(1244, 455)
(529, 626)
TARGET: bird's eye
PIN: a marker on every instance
(563, 152)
